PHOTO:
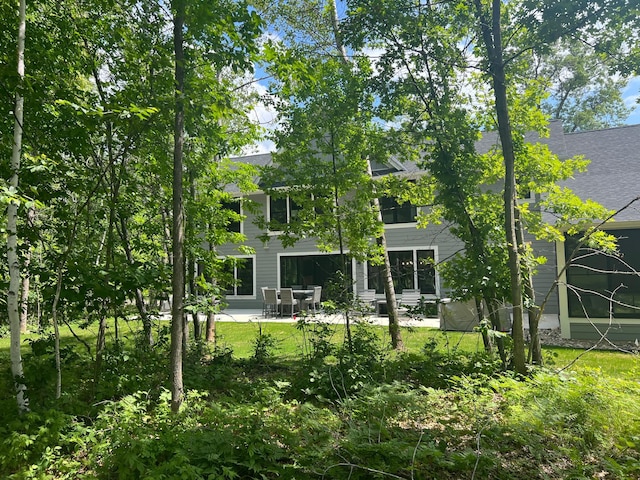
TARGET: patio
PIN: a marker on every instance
(242, 315)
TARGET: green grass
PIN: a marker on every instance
(240, 338)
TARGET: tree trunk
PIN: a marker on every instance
(210, 335)
(494, 306)
(102, 328)
(492, 37)
(177, 316)
(211, 327)
(56, 331)
(347, 287)
(486, 339)
(191, 266)
(139, 297)
(193, 293)
(533, 310)
(389, 289)
(12, 227)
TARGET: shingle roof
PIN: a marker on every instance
(613, 176)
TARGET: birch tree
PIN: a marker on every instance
(13, 293)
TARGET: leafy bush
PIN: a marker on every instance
(333, 372)
(36, 444)
(139, 438)
(587, 418)
(264, 346)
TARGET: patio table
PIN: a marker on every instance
(302, 294)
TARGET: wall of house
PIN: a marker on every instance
(615, 331)
(267, 254)
(399, 237)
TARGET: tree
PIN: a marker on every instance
(490, 26)
(426, 54)
(223, 35)
(342, 117)
(100, 129)
(583, 93)
(177, 316)
(12, 222)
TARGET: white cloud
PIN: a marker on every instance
(264, 115)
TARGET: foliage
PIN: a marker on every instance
(264, 346)
(583, 93)
(331, 372)
(324, 163)
(442, 412)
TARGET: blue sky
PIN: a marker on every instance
(631, 94)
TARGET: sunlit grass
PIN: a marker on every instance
(290, 341)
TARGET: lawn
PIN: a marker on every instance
(241, 336)
(289, 342)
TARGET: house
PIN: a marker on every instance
(612, 179)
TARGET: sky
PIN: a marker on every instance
(631, 95)
(266, 116)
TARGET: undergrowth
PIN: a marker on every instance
(358, 411)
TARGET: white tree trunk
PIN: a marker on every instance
(12, 234)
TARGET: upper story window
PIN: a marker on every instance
(234, 224)
(394, 212)
(282, 210)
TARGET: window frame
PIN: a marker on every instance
(605, 281)
(279, 256)
(226, 204)
(234, 287)
(289, 210)
(416, 280)
(395, 208)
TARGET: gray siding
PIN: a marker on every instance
(544, 279)
(267, 254)
(616, 332)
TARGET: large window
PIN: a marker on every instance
(593, 277)
(394, 212)
(307, 270)
(410, 269)
(242, 277)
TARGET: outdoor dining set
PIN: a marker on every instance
(289, 300)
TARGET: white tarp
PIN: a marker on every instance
(463, 315)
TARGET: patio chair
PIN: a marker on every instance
(410, 298)
(264, 302)
(368, 299)
(271, 301)
(287, 299)
(313, 300)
